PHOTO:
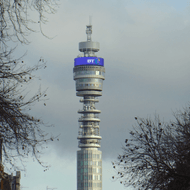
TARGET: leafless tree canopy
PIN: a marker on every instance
(15, 17)
(157, 157)
(20, 132)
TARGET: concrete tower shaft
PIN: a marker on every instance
(89, 73)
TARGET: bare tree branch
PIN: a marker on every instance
(157, 156)
(20, 132)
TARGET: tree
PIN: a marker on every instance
(20, 132)
(15, 19)
(157, 156)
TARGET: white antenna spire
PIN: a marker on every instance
(89, 29)
(90, 20)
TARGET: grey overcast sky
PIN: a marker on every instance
(145, 45)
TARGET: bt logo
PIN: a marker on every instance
(90, 60)
(97, 61)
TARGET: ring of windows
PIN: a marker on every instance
(90, 72)
(88, 85)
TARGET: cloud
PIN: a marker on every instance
(146, 52)
(146, 60)
(145, 45)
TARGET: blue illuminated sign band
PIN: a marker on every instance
(89, 61)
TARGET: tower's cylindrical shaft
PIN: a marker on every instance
(89, 73)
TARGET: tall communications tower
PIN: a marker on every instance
(89, 73)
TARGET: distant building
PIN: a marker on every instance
(8, 182)
(15, 180)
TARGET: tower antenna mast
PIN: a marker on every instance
(89, 30)
(90, 20)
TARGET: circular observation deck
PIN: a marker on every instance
(89, 46)
(93, 145)
(89, 100)
(89, 126)
(87, 93)
(89, 71)
(88, 119)
(89, 137)
(89, 111)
